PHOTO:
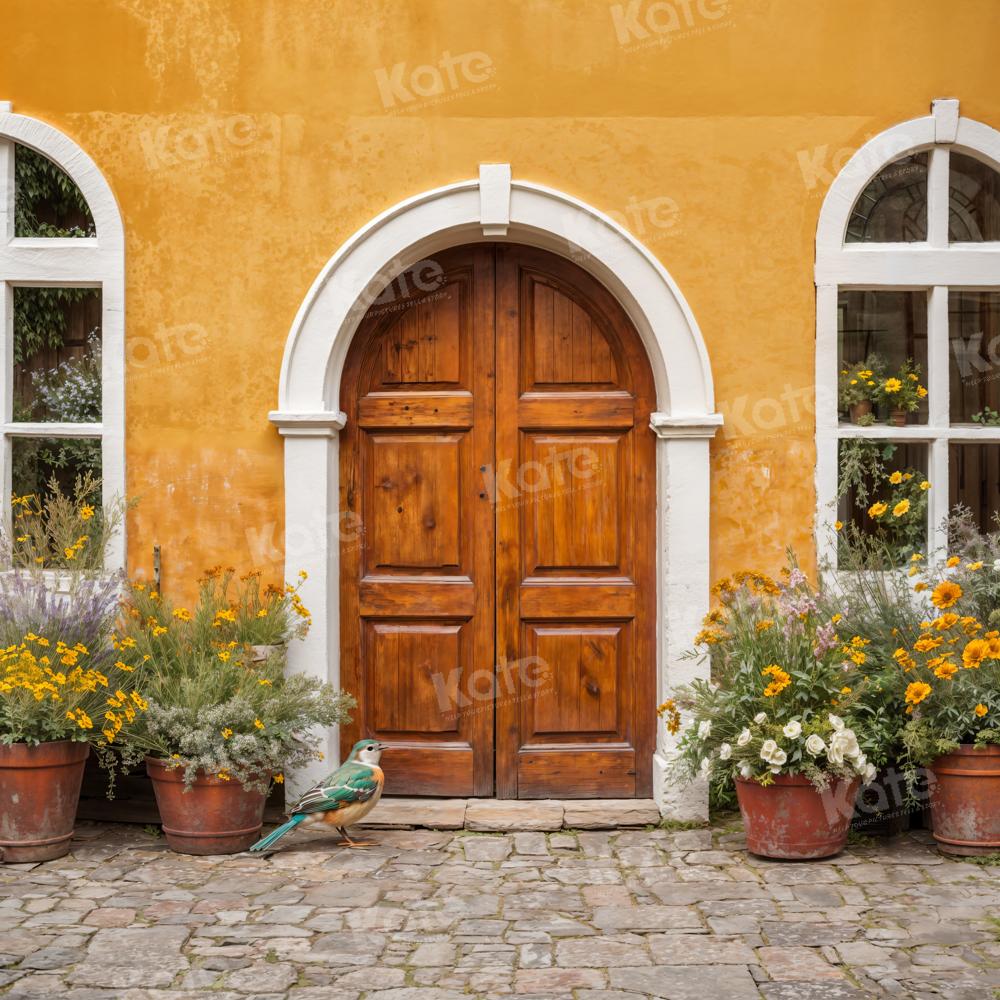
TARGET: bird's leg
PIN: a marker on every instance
(342, 830)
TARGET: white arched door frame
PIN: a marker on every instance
(493, 208)
(97, 261)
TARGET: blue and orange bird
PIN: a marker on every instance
(339, 800)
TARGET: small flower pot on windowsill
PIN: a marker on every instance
(965, 801)
(859, 410)
(214, 816)
(899, 418)
(39, 792)
(791, 821)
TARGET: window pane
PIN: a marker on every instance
(884, 331)
(35, 461)
(974, 334)
(973, 200)
(46, 201)
(893, 208)
(57, 355)
(883, 492)
(974, 481)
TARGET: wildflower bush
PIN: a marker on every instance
(56, 531)
(217, 705)
(58, 678)
(779, 669)
(950, 674)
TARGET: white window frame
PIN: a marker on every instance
(934, 266)
(89, 262)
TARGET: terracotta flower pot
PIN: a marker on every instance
(898, 418)
(792, 821)
(860, 409)
(965, 801)
(39, 792)
(214, 817)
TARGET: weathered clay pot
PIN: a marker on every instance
(791, 821)
(39, 792)
(861, 409)
(965, 801)
(214, 817)
(898, 418)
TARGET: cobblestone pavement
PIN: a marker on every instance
(433, 916)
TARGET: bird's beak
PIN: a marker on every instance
(383, 746)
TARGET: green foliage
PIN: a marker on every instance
(987, 416)
(902, 391)
(859, 382)
(42, 189)
(41, 316)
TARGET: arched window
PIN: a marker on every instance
(62, 313)
(908, 334)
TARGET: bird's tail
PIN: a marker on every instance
(275, 835)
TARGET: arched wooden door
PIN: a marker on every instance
(498, 604)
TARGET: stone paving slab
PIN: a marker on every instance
(521, 914)
(502, 815)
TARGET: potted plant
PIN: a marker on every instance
(902, 393)
(223, 722)
(950, 677)
(858, 385)
(62, 690)
(772, 719)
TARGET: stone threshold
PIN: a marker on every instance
(512, 814)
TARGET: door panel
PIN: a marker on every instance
(503, 587)
(417, 621)
(575, 545)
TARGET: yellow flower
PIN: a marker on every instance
(973, 566)
(764, 624)
(896, 478)
(846, 690)
(926, 643)
(227, 733)
(262, 613)
(946, 621)
(946, 594)
(836, 618)
(892, 385)
(279, 779)
(925, 485)
(921, 586)
(258, 723)
(86, 512)
(981, 710)
(921, 392)
(780, 680)
(69, 553)
(264, 681)
(901, 508)
(182, 614)
(876, 510)
(974, 653)
(224, 775)
(159, 629)
(953, 561)
(946, 670)
(917, 692)
(224, 655)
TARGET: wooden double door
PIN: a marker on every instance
(497, 589)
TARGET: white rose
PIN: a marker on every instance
(745, 770)
(775, 770)
(704, 728)
(845, 743)
(760, 718)
(834, 754)
(793, 730)
(836, 721)
(744, 738)
(869, 773)
(815, 744)
(706, 766)
(768, 749)
(779, 757)
(725, 751)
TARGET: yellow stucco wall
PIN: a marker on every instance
(245, 140)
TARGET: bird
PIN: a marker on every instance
(340, 799)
